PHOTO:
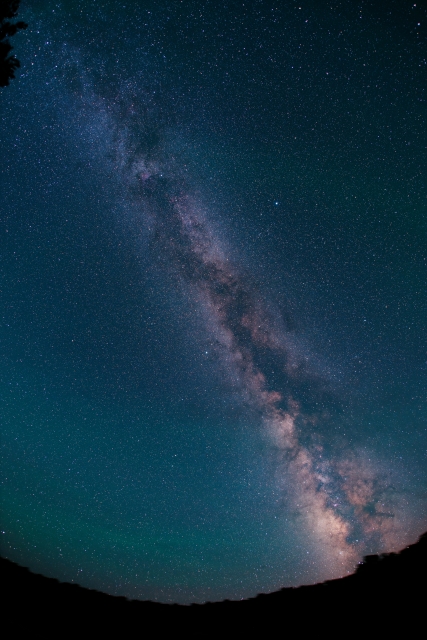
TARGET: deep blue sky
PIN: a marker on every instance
(213, 262)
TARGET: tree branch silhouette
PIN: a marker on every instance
(8, 63)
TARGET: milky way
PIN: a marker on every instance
(214, 318)
(337, 497)
(345, 498)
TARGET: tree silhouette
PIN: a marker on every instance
(8, 63)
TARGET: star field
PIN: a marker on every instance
(214, 360)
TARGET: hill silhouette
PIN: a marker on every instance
(384, 591)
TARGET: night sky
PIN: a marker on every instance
(213, 283)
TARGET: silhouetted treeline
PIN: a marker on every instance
(8, 63)
(385, 591)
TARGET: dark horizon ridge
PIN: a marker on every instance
(397, 578)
